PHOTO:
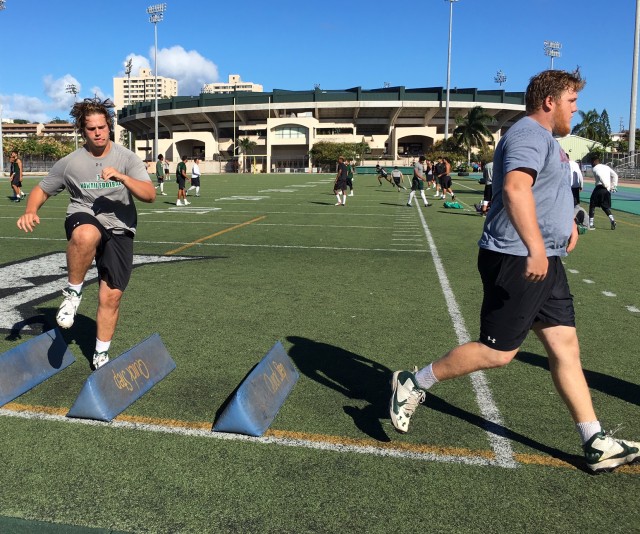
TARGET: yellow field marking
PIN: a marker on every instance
(193, 243)
(525, 459)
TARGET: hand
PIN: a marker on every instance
(536, 267)
(109, 173)
(573, 239)
(28, 221)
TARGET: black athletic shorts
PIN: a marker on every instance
(340, 185)
(180, 181)
(511, 304)
(600, 198)
(488, 192)
(445, 182)
(195, 180)
(114, 257)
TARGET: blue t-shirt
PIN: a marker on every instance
(528, 145)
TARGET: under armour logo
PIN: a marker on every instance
(492, 339)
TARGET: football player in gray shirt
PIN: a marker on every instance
(102, 179)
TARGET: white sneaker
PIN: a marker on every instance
(186, 202)
(603, 453)
(178, 202)
(67, 310)
(351, 194)
(406, 394)
(163, 194)
(99, 359)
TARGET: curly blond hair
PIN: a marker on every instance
(91, 106)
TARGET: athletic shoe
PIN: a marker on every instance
(408, 205)
(453, 198)
(338, 203)
(592, 227)
(99, 359)
(405, 396)
(602, 452)
(427, 205)
(68, 308)
(198, 195)
(179, 203)
(186, 202)
(163, 194)
(613, 225)
(351, 194)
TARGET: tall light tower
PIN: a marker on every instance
(500, 78)
(2, 6)
(127, 71)
(446, 113)
(552, 49)
(634, 87)
(72, 89)
(156, 14)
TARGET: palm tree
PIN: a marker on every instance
(246, 146)
(590, 126)
(472, 130)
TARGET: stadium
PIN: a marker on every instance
(397, 123)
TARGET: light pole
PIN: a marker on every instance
(500, 78)
(552, 49)
(156, 14)
(446, 113)
(72, 89)
(127, 70)
(634, 87)
(2, 6)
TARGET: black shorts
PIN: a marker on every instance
(16, 181)
(114, 257)
(511, 304)
(180, 181)
(160, 178)
(340, 186)
(195, 180)
(417, 184)
(488, 190)
(445, 182)
(600, 198)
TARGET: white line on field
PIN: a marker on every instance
(269, 440)
(501, 446)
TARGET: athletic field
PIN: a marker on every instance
(353, 293)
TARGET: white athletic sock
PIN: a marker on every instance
(102, 346)
(590, 221)
(162, 188)
(76, 287)
(197, 190)
(411, 195)
(344, 198)
(611, 217)
(338, 196)
(587, 430)
(424, 198)
(426, 378)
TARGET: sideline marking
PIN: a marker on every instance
(499, 444)
(197, 241)
(407, 451)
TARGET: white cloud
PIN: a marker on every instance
(188, 67)
(56, 90)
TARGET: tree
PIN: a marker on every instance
(472, 130)
(247, 146)
(591, 126)
(327, 153)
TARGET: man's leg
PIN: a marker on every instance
(108, 311)
(81, 250)
(563, 349)
(602, 452)
(408, 389)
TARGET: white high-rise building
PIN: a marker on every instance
(141, 88)
(234, 84)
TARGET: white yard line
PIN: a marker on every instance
(501, 446)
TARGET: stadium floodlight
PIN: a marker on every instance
(500, 78)
(72, 89)
(552, 49)
(634, 87)
(446, 113)
(2, 6)
(156, 13)
(127, 70)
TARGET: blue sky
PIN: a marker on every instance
(289, 44)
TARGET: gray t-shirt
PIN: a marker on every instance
(528, 145)
(109, 201)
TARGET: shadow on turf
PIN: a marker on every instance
(82, 332)
(351, 375)
(609, 385)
